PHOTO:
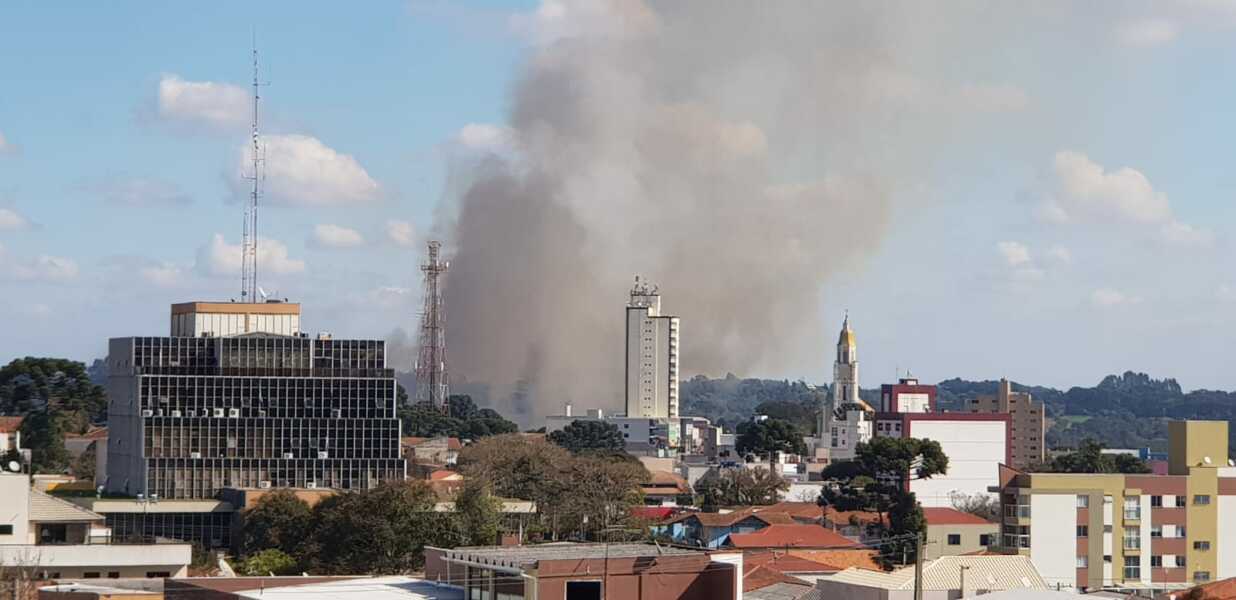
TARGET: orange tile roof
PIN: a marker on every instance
(664, 482)
(444, 475)
(787, 536)
(760, 577)
(452, 443)
(952, 516)
(841, 559)
(10, 424)
(786, 562)
(1224, 589)
(846, 517)
(798, 510)
(730, 518)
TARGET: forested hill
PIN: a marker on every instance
(1127, 411)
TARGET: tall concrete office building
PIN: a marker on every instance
(1029, 422)
(652, 356)
(238, 397)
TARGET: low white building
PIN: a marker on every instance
(975, 444)
(60, 540)
(946, 578)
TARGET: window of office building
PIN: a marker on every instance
(954, 539)
(1201, 499)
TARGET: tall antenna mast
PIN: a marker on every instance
(249, 239)
(431, 382)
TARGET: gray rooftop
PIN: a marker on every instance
(516, 557)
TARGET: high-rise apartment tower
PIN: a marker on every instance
(652, 356)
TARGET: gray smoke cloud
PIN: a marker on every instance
(738, 154)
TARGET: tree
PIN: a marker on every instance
(63, 386)
(271, 561)
(43, 434)
(739, 487)
(601, 494)
(769, 436)
(279, 520)
(381, 530)
(875, 481)
(981, 505)
(83, 466)
(1089, 458)
(590, 436)
(462, 420)
(478, 515)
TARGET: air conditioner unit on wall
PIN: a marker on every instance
(218, 412)
(265, 485)
(175, 413)
(195, 455)
(311, 484)
(147, 413)
(288, 455)
(233, 412)
(323, 454)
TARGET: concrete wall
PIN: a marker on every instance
(15, 507)
(126, 471)
(1225, 548)
(1053, 539)
(937, 539)
(73, 562)
(975, 450)
(679, 577)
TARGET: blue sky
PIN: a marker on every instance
(1082, 226)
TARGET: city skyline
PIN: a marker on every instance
(1071, 208)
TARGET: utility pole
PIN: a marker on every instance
(918, 567)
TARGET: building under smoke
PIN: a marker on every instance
(652, 356)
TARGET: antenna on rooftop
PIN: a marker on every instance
(249, 237)
(431, 379)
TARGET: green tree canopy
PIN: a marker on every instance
(43, 433)
(582, 436)
(478, 515)
(739, 487)
(768, 436)
(271, 561)
(382, 530)
(875, 481)
(279, 520)
(1089, 458)
(61, 385)
(462, 420)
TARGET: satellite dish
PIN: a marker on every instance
(262, 292)
(1231, 463)
(1206, 459)
(14, 466)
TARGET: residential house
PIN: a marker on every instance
(945, 578)
(951, 532)
(434, 451)
(790, 536)
(712, 530)
(788, 575)
(59, 539)
(665, 489)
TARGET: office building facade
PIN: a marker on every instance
(248, 402)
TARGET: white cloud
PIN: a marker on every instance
(994, 97)
(203, 102)
(1016, 254)
(1060, 254)
(1147, 32)
(335, 236)
(401, 233)
(1107, 297)
(1226, 292)
(6, 147)
(11, 220)
(164, 275)
(54, 269)
(219, 258)
(390, 296)
(137, 191)
(1088, 193)
(485, 137)
(301, 170)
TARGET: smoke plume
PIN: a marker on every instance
(738, 154)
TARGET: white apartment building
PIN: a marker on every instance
(652, 356)
(60, 540)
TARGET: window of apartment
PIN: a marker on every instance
(1107, 558)
(157, 574)
(1083, 501)
(1083, 561)
(1180, 561)
(1132, 567)
(1201, 545)
(1083, 531)
(1201, 576)
(1180, 501)
(583, 590)
(90, 575)
(6, 530)
(1107, 529)
(1132, 538)
(1180, 531)
(113, 574)
(1201, 499)
(985, 539)
(1156, 561)
(954, 539)
(1132, 508)
(1156, 531)
(1156, 502)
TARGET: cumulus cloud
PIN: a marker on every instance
(221, 259)
(6, 147)
(401, 233)
(1016, 254)
(302, 171)
(1108, 297)
(42, 268)
(1147, 32)
(11, 220)
(334, 236)
(1060, 254)
(164, 275)
(137, 191)
(209, 103)
(1086, 192)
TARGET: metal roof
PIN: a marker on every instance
(46, 509)
(982, 573)
(518, 557)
